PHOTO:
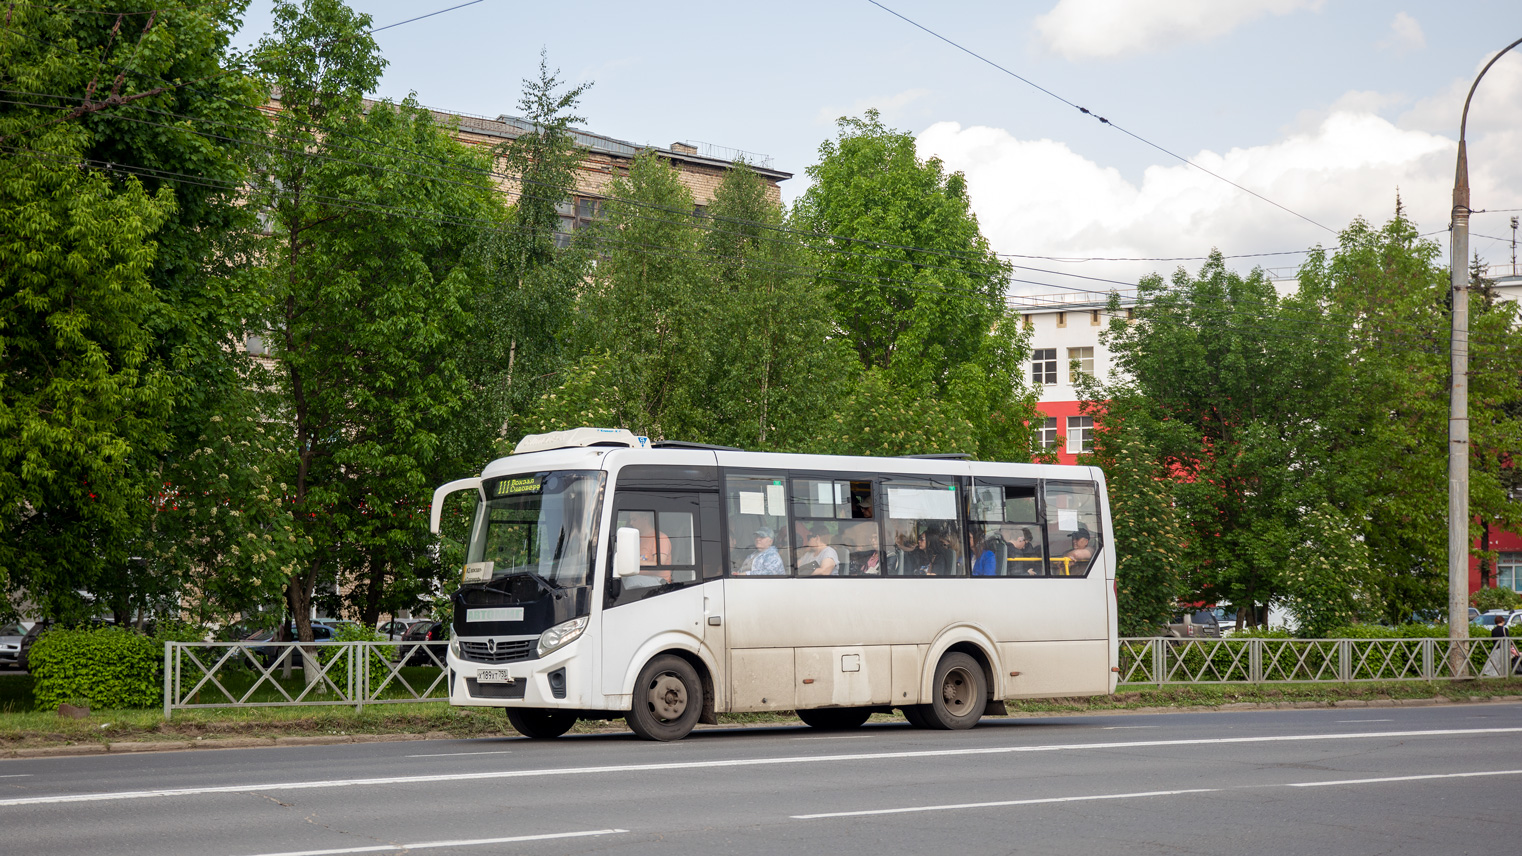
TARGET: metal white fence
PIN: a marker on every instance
(1264, 661)
(255, 674)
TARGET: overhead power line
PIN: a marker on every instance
(1102, 120)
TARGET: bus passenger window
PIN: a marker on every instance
(1013, 534)
(756, 508)
(922, 517)
(1072, 525)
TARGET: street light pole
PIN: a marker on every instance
(1458, 401)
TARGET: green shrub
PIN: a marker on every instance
(339, 672)
(1487, 599)
(103, 667)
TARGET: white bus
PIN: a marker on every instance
(608, 577)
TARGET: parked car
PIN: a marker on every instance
(396, 628)
(1489, 620)
(10, 643)
(1196, 624)
(270, 654)
(435, 634)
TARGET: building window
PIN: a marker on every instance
(1130, 314)
(1093, 317)
(1509, 571)
(578, 212)
(1048, 433)
(1028, 323)
(1084, 357)
(1062, 319)
(1044, 366)
(1080, 434)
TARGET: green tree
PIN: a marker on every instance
(639, 332)
(373, 213)
(152, 104)
(775, 361)
(535, 273)
(1392, 292)
(1241, 397)
(917, 291)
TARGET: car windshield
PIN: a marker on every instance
(12, 630)
(537, 523)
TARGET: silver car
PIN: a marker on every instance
(10, 642)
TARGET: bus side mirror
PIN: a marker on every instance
(626, 553)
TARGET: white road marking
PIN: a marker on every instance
(733, 763)
(839, 737)
(424, 845)
(1365, 720)
(16, 776)
(1095, 797)
(1408, 778)
(1003, 803)
(1128, 727)
(456, 754)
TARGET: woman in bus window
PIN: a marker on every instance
(818, 558)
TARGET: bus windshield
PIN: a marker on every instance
(543, 524)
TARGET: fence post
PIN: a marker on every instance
(1255, 661)
(1427, 646)
(1159, 655)
(168, 646)
(362, 672)
(1345, 660)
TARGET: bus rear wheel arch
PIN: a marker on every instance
(668, 699)
(958, 695)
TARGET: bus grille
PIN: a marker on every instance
(507, 651)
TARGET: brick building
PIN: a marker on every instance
(700, 166)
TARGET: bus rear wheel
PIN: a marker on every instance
(958, 694)
(668, 699)
(540, 724)
(835, 718)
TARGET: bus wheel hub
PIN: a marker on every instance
(668, 697)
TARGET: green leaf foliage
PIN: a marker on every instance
(370, 279)
(109, 668)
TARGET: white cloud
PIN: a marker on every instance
(889, 106)
(1080, 29)
(1405, 35)
(1039, 197)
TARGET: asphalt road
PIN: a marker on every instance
(1434, 780)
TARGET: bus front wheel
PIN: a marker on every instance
(835, 718)
(958, 694)
(668, 699)
(540, 724)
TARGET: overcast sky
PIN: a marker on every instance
(1326, 107)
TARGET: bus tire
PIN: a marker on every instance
(835, 718)
(958, 695)
(540, 724)
(914, 714)
(668, 699)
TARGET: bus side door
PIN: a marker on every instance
(679, 585)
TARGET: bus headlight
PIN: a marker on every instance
(454, 647)
(561, 634)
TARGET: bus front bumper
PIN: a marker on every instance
(556, 680)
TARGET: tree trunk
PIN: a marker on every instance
(370, 615)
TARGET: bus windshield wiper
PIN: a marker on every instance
(545, 585)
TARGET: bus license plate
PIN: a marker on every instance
(493, 676)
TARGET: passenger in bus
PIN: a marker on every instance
(942, 551)
(986, 563)
(1078, 557)
(818, 558)
(869, 560)
(765, 561)
(1025, 554)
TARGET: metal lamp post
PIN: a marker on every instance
(1458, 402)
